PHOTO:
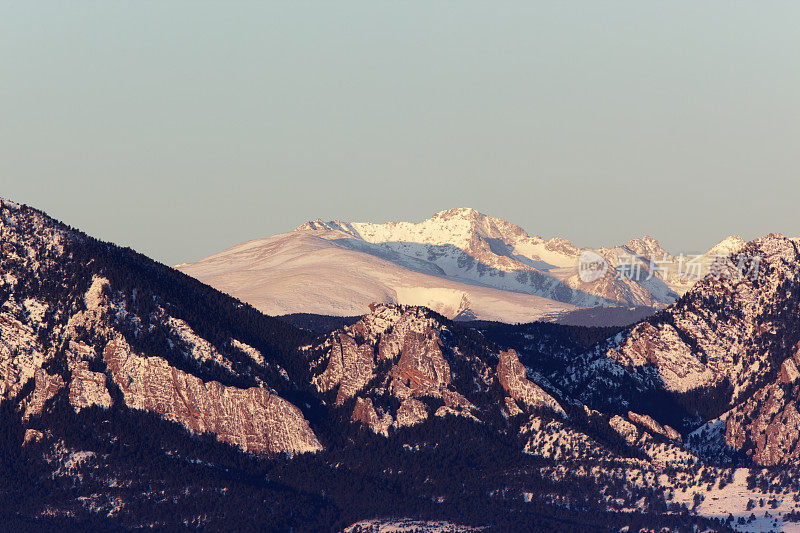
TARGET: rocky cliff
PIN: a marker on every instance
(393, 354)
(73, 309)
(406, 364)
(766, 427)
(255, 419)
(511, 376)
(727, 349)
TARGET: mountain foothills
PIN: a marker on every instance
(460, 263)
(133, 395)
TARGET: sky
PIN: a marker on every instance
(183, 128)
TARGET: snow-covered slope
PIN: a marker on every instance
(683, 273)
(470, 247)
(459, 262)
(313, 272)
(731, 342)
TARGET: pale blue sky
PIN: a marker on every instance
(181, 128)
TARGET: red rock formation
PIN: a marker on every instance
(422, 367)
(407, 337)
(789, 372)
(767, 426)
(19, 354)
(45, 388)
(350, 367)
(512, 377)
(88, 388)
(253, 419)
(653, 426)
(625, 429)
(411, 412)
(512, 407)
(32, 435)
(364, 412)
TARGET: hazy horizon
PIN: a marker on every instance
(181, 129)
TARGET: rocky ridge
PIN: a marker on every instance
(63, 328)
(255, 419)
(409, 357)
(729, 343)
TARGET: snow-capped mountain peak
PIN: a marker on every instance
(728, 246)
(469, 249)
(647, 246)
(458, 227)
(457, 255)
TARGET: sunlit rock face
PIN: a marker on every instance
(730, 342)
(728, 334)
(391, 353)
(88, 388)
(254, 419)
(400, 365)
(767, 426)
(625, 429)
(511, 375)
(46, 386)
(726, 326)
(350, 368)
(654, 427)
(65, 315)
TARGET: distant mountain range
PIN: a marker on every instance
(460, 263)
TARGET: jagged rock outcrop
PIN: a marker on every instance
(767, 426)
(422, 369)
(364, 412)
(417, 362)
(400, 353)
(724, 327)
(511, 407)
(789, 372)
(254, 419)
(626, 430)
(726, 352)
(715, 347)
(672, 433)
(88, 388)
(20, 355)
(46, 386)
(63, 295)
(511, 376)
(411, 412)
(350, 368)
(32, 435)
(653, 426)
